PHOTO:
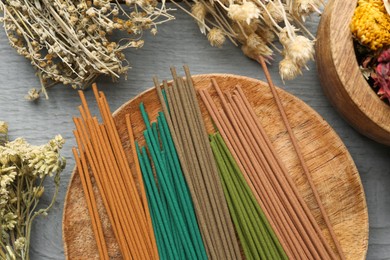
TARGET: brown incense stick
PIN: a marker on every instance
(301, 159)
(204, 173)
(276, 161)
(227, 226)
(194, 165)
(177, 142)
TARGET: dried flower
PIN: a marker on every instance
(303, 8)
(23, 169)
(32, 94)
(382, 75)
(288, 69)
(299, 50)
(243, 12)
(216, 37)
(276, 13)
(199, 11)
(370, 24)
(69, 41)
(255, 23)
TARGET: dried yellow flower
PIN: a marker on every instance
(370, 24)
(216, 37)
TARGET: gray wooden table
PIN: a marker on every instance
(177, 43)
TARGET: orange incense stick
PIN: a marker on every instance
(92, 207)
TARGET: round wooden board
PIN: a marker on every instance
(341, 78)
(333, 170)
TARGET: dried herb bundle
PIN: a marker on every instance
(69, 41)
(23, 169)
(256, 24)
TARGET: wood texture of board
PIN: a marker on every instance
(333, 170)
(341, 78)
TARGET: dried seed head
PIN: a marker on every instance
(300, 50)
(244, 12)
(288, 69)
(255, 48)
(255, 42)
(283, 37)
(242, 29)
(276, 12)
(303, 8)
(199, 11)
(266, 34)
(216, 37)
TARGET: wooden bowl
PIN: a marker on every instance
(340, 76)
(333, 170)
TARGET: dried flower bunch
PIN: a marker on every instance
(23, 169)
(370, 24)
(69, 41)
(370, 28)
(256, 24)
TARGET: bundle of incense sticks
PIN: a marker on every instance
(151, 211)
(101, 156)
(257, 238)
(173, 216)
(189, 134)
(272, 186)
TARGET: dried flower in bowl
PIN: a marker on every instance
(69, 42)
(23, 170)
(255, 24)
(370, 28)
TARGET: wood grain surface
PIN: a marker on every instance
(341, 78)
(176, 43)
(333, 170)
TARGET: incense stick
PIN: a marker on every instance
(301, 159)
